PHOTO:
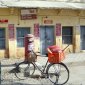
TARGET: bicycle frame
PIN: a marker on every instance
(44, 68)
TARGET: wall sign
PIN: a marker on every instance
(11, 31)
(26, 17)
(36, 30)
(28, 14)
(28, 11)
(58, 29)
(47, 21)
(3, 20)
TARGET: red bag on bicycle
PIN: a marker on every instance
(55, 54)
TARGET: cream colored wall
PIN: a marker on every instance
(67, 17)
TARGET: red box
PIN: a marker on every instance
(56, 57)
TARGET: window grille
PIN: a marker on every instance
(21, 32)
(2, 38)
(67, 34)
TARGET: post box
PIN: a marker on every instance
(29, 45)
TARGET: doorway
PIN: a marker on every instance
(46, 38)
(82, 37)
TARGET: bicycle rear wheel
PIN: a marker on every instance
(58, 73)
(24, 70)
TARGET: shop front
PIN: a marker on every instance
(49, 27)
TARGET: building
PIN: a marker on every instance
(51, 22)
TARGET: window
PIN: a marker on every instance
(67, 34)
(21, 32)
(2, 38)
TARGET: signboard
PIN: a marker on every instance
(58, 29)
(47, 21)
(3, 20)
(28, 14)
(11, 31)
(36, 30)
(26, 17)
(28, 11)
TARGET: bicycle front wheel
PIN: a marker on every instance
(24, 70)
(58, 73)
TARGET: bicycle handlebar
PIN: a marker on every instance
(46, 53)
(39, 54)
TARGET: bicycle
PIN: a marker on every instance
(57, 73)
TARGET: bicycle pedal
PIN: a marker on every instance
(44, 76)
(35, 76)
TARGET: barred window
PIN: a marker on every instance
(2, 38)
(67, 34)
(21, 32)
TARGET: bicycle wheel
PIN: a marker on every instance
(58, 73)
(24, 70)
